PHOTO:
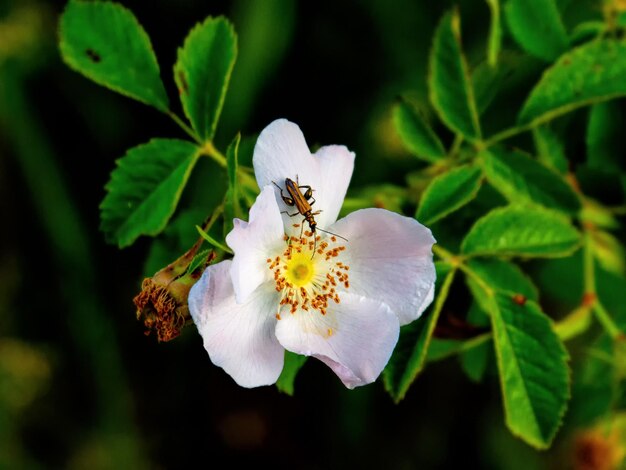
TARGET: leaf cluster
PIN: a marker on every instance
(506, 217)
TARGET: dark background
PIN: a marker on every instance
(80, 385)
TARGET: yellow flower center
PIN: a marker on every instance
(300, 269)
(308, 279)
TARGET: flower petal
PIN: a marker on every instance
(390, 259)
(281, 152)
(355, 338)
(252, 242)
(336, 164)
(238, 337)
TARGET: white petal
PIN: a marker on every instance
(336, 164)
(355, 338)
(281, 152)
(390, 259)
(253, 242)
(238, 337)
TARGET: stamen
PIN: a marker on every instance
(305, 282)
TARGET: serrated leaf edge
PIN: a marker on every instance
(142, 32)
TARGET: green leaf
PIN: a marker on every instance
(588, 74)
(199, 261)
(416, 134)
(495, 275)
(522, 231)
(409, 356)
(587, 31)
(498, 275)
(522, 179)
(495, 33)
(203, 70)
(145, 188)
(536, 25)
(212, 241)
(534, 375)
(512, 71)
(231, 200)
(293, 364)
(605, 137)
(550, 149)
(449, 80)
(475, 360)
(105, 42)
(449, 192)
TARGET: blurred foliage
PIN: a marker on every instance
(500, 122)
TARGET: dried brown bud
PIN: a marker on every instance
(162, 302)
(598, 449)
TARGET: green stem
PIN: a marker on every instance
(607, 322)
(456, 145)
(590, 294)
(567, 328)
(589, 278)
(188, 130)
(244, 177)
(505, 134)
(457, 261)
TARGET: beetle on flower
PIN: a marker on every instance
(344, 306)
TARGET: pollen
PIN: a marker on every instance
(309, 283)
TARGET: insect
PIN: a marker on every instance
(303, 202)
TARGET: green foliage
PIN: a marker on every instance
(550, 149)
(105, 42)
(588, 74)
(536, 25)
(605, 137)
(495, 33)
(145, 188)
(521, 179)
(293, 364)
(476, 361)
(410, 354)
(232, 207)
(500, 275)
(535, 205)
(202, 72)
(449, 192)
(533, 369)
(416, 134)
(521, 231)
(449, 81)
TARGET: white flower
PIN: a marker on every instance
(343, 303)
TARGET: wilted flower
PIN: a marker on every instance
(340, 298)
(162, 302)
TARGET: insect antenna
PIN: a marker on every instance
(331, 233)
